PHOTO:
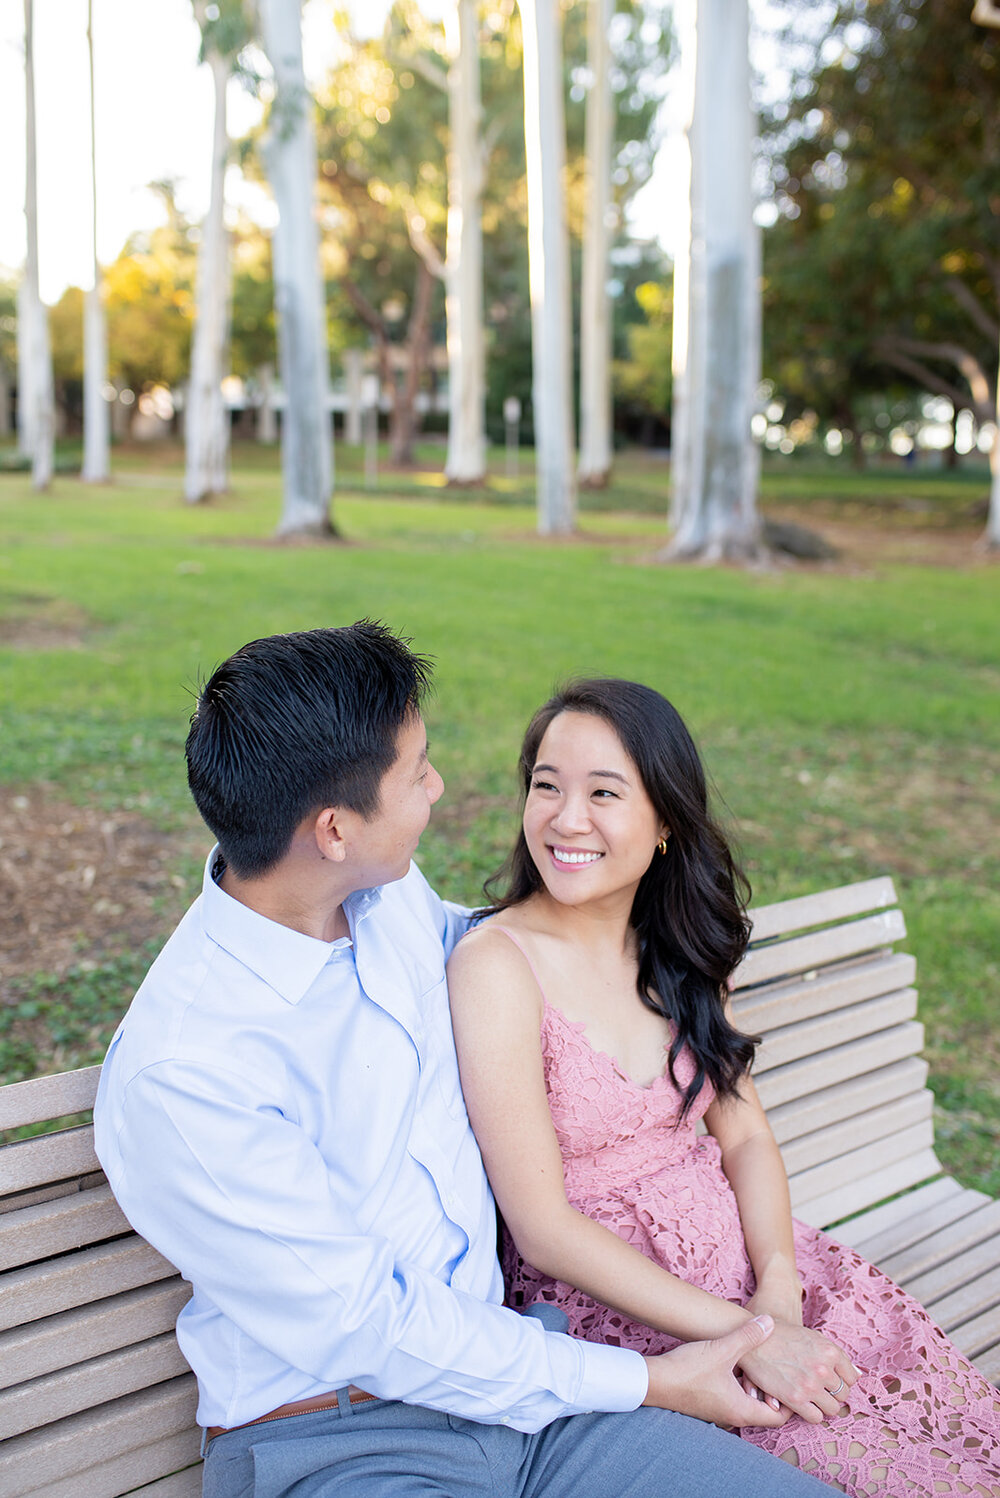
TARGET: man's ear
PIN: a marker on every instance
(328, 832)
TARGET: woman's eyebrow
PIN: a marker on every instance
(592, 774)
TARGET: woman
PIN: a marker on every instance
(592, 1029)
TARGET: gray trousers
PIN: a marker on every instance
(385, 1449)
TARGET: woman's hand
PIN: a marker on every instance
(800, 1370)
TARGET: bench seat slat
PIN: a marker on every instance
(49, 1157)
(69, 1390)
(97, 1438)
(790, 1121)
(946, 1250)
(829, 1144)
(894, 1225)
(60, 1224)
(815, 1036)
(43, 1289)
(827, 905)
(42, 1099)
(858, 1192)
(852, 1059)
(800, 953)
(969, 1300)
(979, 1339)
(90, 1330)
(821, 990)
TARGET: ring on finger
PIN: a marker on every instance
(837, 1390)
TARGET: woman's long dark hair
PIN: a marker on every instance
(689, 912)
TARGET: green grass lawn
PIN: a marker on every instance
(849, 720)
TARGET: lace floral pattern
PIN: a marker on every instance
(923, 1421)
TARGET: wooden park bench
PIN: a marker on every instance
(95, 1398)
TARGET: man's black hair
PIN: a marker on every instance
(293, 723)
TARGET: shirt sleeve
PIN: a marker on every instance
(275, 1250)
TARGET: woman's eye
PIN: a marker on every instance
(602, 791)
(542, 785)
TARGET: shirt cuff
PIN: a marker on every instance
(615, 1379)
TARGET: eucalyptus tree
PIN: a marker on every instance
(549, 266)
(463, 266)
(290, 156)
(224, 32)
(716, 342)
(96, 467)
(36, 396)
(598, 236)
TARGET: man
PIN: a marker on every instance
(280, 1114)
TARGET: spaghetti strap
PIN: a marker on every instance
(512, 938)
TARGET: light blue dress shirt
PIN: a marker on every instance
(282, 1118)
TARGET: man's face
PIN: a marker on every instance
(409, 788)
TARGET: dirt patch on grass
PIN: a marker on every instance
(865, 541)
(34, 621)
(79, 883)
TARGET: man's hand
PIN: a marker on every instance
(698, 1378)
(808, 1373)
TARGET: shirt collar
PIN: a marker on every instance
(288, 961)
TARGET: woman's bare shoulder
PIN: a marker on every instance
(491, 955)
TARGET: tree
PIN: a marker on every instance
(463, 267)
(716, 343)
(858, 135)
(96, 467)
(595, 305)
(290, 153)
(36, 398)
(549, 266)
(206, 426)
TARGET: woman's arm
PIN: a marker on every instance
(753, 1165)
(756, 1172)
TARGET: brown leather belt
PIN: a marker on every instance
(297, 1407)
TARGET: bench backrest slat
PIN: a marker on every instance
(66, 1391)
(40, 1290)
(820, 909)
(49, 1158)
(88, 1331)
(91, 1446)
(59, 1224)
(41, 1099)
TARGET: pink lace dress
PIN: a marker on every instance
(923, 1421)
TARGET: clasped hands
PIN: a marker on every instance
(800, 1371)
(760, 1374)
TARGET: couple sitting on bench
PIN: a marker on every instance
(281, 1114)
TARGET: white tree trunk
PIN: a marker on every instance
(206, 425)
(353, 426)
(4, 401)
(466, 460)
(595, 304)
(35, 348)
(267, 420)
(96, 467)
(992, 536)
(715, 462)
(25, 396)
(548, 267)
(290, 149)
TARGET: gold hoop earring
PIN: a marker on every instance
(661, 846)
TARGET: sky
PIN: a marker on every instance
(154, 121)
